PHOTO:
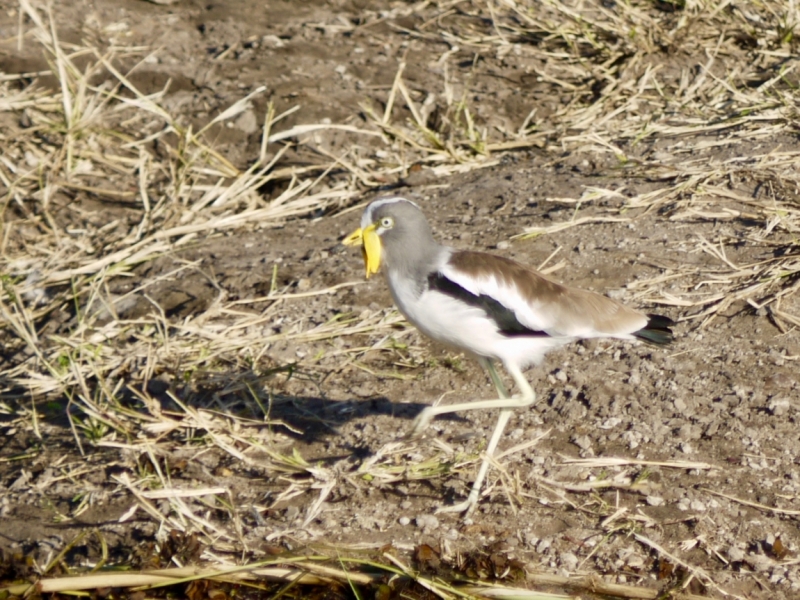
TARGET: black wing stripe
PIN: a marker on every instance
(506, 320)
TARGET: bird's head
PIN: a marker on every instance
(390, 227)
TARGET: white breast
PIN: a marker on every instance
(466, 328)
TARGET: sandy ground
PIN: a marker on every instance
(705, 430)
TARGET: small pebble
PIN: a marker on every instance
(758, 562)
(404, 521)
(616, 294)
(31, 159)
(635, 562)
(427, 522)
(582, 441)
(779, 406)
(697, 505)
(569, 561)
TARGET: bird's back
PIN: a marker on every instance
(540, 303)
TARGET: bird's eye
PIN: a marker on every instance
(387, 222)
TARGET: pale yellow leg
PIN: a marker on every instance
(506, 406)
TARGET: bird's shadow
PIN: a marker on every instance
(307, 419)
(303, 419)
(311, 418)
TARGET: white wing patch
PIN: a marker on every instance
(574, 314)
(531, 314)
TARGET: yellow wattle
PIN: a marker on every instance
(371, 248)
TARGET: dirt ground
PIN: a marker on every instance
(706, 430)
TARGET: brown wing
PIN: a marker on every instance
(539, 303)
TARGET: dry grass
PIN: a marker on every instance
(95, 137)
(741, 102)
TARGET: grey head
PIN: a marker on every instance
(407, 244)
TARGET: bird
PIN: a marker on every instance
(489, 307)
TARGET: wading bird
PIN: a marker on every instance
(490, 307)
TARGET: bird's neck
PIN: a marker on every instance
(416, 263)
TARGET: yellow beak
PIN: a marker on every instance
(370, 247)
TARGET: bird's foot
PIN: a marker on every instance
(466, 507)
(420, 424)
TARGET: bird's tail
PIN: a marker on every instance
(657, 331)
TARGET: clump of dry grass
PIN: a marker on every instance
(386, 576)
(97, 138)
(642, 78)
(642, 82)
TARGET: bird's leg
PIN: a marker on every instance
(526, 398)
(468, 505)
(506, 406)
(498, 383)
